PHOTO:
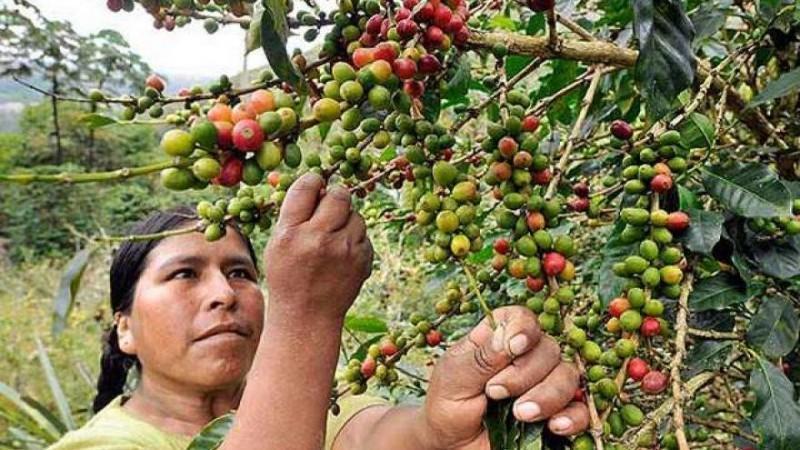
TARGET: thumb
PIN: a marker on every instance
(463, 371)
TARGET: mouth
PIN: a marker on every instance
(228, 328)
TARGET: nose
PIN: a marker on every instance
(221, 294)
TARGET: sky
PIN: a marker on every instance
(187, 52)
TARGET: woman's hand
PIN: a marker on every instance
(516, 360)
(319, 254)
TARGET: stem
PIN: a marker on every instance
(576, 131)
(149, 237)
(91, 177)
(596, 429)
(484, 306)
(677, 360)
(56, 126)
(552, 31)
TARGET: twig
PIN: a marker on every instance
(477, 290)
(576, 131)
(710, 334)
(574, 27)
(677, 360)
(91, 177)
(594, 419)
(724, 426)
(552, 31)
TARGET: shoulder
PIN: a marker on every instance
(114, 429)
(349, 407)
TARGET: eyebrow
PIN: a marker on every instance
(235, 260)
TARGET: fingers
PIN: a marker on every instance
(572, 420)
(525, 371)
(466, 367)
(333, 211)
(301, 200)
(550, 396)
(356, 229)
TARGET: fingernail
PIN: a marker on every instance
(528, 411)
(518, 344)
(498, 392)
(498, 339)
(339, 192)
(562, 423)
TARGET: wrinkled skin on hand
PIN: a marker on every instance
(515, 360)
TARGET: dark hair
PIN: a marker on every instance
(126, 268)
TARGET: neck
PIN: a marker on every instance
(178, 409)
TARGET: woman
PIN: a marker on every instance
(190, 316)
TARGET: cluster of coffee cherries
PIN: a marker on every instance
(654, 270)
(776, 227)
(169, 14)
(381, 358)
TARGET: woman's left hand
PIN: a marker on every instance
(514, 360)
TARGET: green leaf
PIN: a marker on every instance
(388, 154)
(495, 422)
(705, 230)
(609, 285)
(68, 289)
(213, 434)
(530, 436)
(55, 386)
(698, 131)
(708, 19)
(707, 355)
(324, 129)
(12, 405)
(431, 105)
(776, 416)
(365, 324)
(515, 64)
(252, 39)
(749, 190)
(718, 292)
(95, 121)
(687, 199)
(774, 329)
(503, 22)
(666, 63)
(779, 258)
(458, 85)
(788, 83)
(274, 31)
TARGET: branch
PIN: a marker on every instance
(91, 177)
(576, 131)
(677, 361)
(599, 52)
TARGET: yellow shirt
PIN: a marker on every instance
(113, 428)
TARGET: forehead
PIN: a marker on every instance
(230, 246)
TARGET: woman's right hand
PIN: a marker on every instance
(319, 254)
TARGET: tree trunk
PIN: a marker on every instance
(56, 127)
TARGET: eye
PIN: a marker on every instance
(184, 273)
(240, 273)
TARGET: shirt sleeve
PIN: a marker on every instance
(81, 440)
(349, 407)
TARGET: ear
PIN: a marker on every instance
(127, 343)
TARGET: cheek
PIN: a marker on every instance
(164, 325)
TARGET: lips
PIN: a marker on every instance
(227, 327)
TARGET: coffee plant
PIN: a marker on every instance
(638, 191)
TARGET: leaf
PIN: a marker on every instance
(503, 22)
(776, 415)
(324, 129)
(95, 121)
(666, 63)
(68, 289)
(705, 230)
(774, 329)
(252, 39)
(25, 416)
(515, 64)
(274, 30)
(60, 399)
(530, 436)
(458, 85)
(365, 324)
(708, 19)
(687, 199)
(431, 105)
(388, 154)
(708, 355)
(609, 285)
(779, 258)
(723, 290)
(697, 132)
(213, 434)
(495, 422)
(749, 190)
(786, 84)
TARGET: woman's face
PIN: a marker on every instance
(197, 312)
